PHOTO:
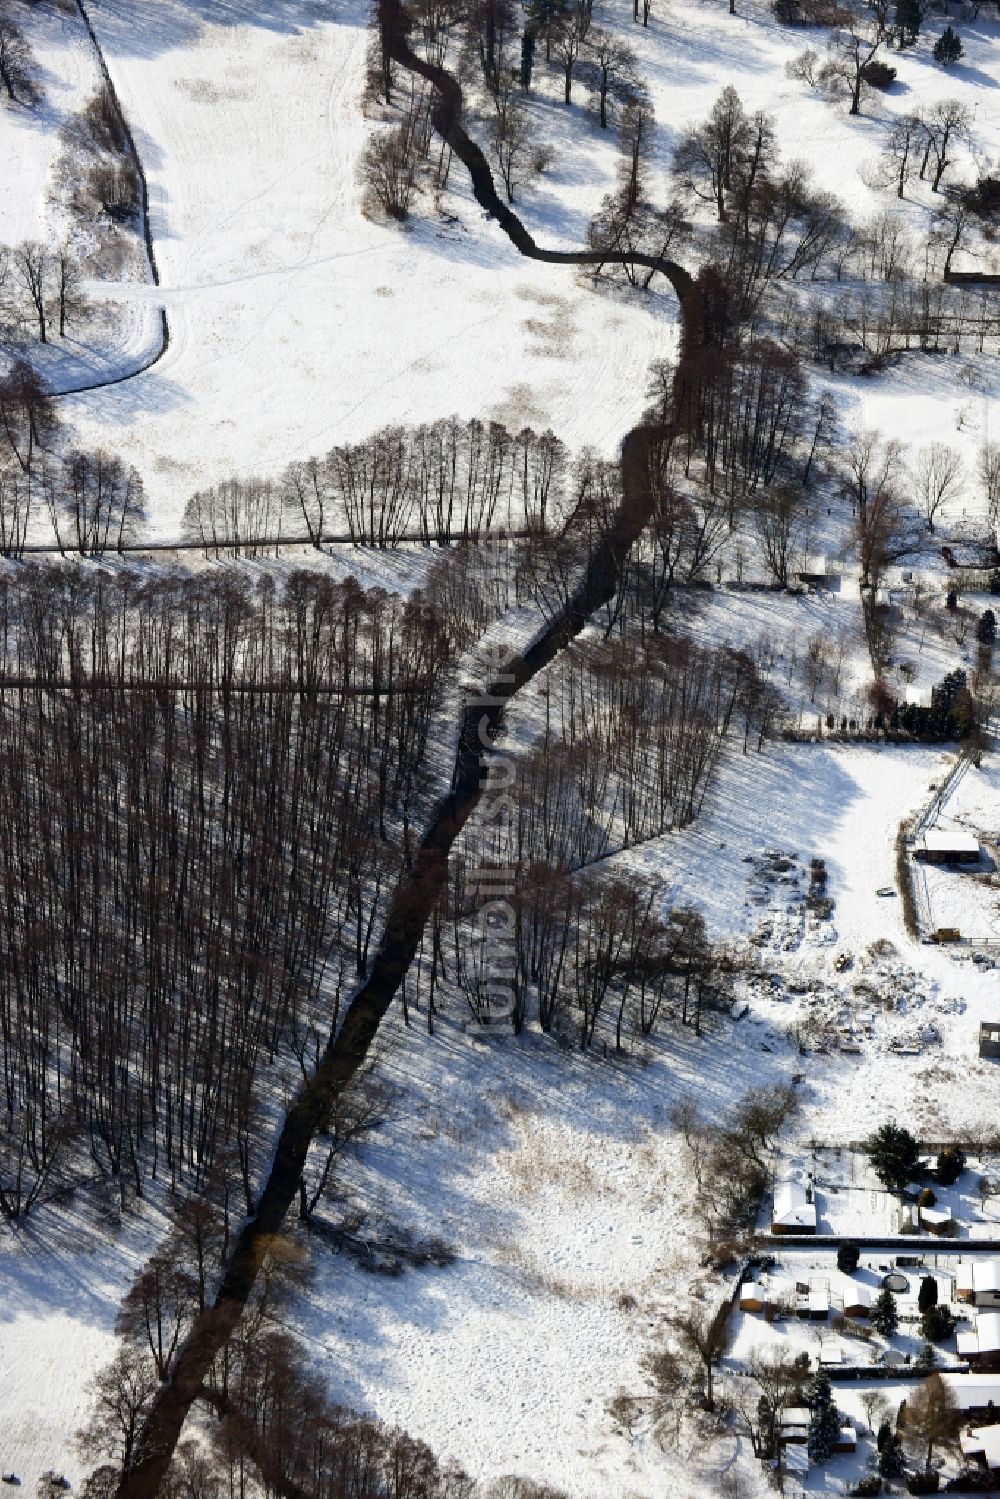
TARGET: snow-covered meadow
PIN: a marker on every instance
(286, 304)
(295, 324)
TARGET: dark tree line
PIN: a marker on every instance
(189, 873)
(632, 736)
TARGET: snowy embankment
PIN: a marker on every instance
(40, 167)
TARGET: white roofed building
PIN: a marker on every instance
(982, 1445)
(947, 846)
(981, 1345)
(978, 1394)
(793, 1212)
(978, 1282)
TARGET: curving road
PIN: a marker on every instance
(147, 234)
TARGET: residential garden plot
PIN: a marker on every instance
(851, 1202)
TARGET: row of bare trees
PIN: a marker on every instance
(93, 502)
(868, 328)
(590, 956)
(202, 809)
(532, 925)
(442, 481)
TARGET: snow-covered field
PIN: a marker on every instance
(286, 304)
(555, 1179)
(296, 323)
(62, 1278)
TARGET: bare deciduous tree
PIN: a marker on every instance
(28, 418)
(567, 44)
(17, 64)
(778, 520)
(933, 1419)
(32, 265)
(938, 479)
(509, 136)
(945, 124)
(70, 301)
(702, 1335)
(123, 1393)
(612, 68)
(852, 48)
(706, 156)
(389, 172)
(988, 472)
(902, 150)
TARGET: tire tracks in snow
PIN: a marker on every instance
(418, 889)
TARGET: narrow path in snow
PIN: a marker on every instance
(421, 884)
(147, 233)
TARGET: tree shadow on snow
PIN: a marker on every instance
(148, 28)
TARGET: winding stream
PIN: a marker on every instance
(419, 888)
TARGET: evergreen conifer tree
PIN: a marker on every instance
(884, 1317)
(890, 1455)
(824, 1420)
(948, 47)
(909, 15)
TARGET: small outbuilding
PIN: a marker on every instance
(907, 1219)
(947, 846)
(989, 1038)
(817, 1304)
(818, 572)
(793, 1212)
(981, 1345)
(857, 1300)
(847, 1440)
(794, 1424)
(937, 1220)
(977, 1282)
(752, 1296)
